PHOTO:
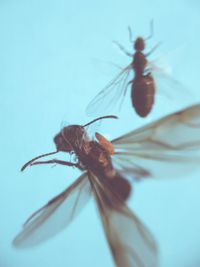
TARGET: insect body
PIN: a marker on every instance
(166, 148)
(142, 85)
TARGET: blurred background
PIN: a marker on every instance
(54, 57)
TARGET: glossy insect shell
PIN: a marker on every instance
(142, 95)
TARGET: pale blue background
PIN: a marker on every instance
(49, 54)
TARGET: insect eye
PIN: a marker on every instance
(61, 143)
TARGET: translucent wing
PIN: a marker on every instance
(111, 96)
(163, 149)
(130, 242)
(167, 85)
(55, 215)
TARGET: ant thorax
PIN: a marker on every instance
(139, 63)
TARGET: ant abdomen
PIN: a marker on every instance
(142, 95)
(120, 188)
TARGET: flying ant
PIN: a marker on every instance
(166, 148)
(143, 85)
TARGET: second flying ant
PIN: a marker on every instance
(166, 148)
(143, 85)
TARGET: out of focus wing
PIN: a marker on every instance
(171, 88)
(111, 96)
(167, 85)
(130, 242)
(167, 148)
(55, 215)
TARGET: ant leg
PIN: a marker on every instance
(123, 49)
(153, 49)
(130, 82)
(130, 34)
(125, 90)
(151, 30)
(124, 93)
(56, 161)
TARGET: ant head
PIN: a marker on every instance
(74, 137)
(139, 44)
(69, 138)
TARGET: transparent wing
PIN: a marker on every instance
(111, 96)
(55, 215)
(163, 149)
(167, 85)
(130, 242)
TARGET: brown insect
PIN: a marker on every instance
(143, 86)
(166, 148)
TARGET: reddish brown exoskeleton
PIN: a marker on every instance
(143, 85)
(166, 148)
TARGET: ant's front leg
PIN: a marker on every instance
(56, 161)
(153, 49)
(123, 49)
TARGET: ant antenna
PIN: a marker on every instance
(130, 34)
(151, 30)
(101, 118)
(32, 160)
